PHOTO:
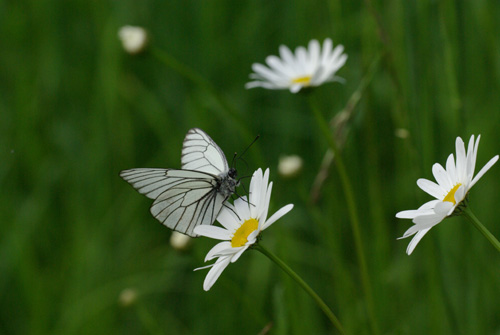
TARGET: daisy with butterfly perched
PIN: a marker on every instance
(189, 201)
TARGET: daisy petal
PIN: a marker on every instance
(415, 240)
(282, 211)
(216, 233)
(220, 249)
(483, 170)
(215, 272)
(431, 188)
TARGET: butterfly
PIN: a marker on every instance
(194, 195)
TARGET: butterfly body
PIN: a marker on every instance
(193, 195)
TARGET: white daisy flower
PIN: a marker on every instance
(307, 68)
(242, 224)
(453, 185)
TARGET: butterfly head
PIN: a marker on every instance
(232, 173)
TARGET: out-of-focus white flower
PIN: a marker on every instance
(308, 67)
(127, 297)
(134, 39)
(290, 166)
(402, 133)
(242, 224)
(450, 191)
(180, 241)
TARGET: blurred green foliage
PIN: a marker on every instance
(75, 110)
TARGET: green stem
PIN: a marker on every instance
(304, 285)
(486, 233)
(351, 206)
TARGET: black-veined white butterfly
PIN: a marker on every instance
(184, 199)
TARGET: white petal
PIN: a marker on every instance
(441, 176)
(215, 272)
(461, 163)
(475, 153)
(288, 58)
(219, 249)
(408, 214)
(471, 160)
(450, 169)
(442, 208)
(282, 211)
(267, 85)
(255, 192)
(431, 188)
(425, 209)
(212, 232)
(277, 65)
(264, 206)
(237, 255)
(459, 195)
(295, 88)
(314, 50)
(228, 218)
(319, 76)
(415, 240)
(431, 219)
(483, 171)
(265, 72)
(241, 205)
(416, 228)
(428, 205)
(301, 57)
(337, 52)
(326, 52)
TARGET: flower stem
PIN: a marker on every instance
(304, 285)
(489, 236)
(351, 206)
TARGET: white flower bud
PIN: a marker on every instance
(127, 297)
(179, 241)
(134, 39)
(290, 166)
(402, 133)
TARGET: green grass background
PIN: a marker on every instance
(75, 110)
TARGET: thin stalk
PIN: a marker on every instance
(324, 307)
(486, 233)
(353, 214)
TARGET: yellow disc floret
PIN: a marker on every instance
(450, 197)
(306, 80)
(240, 237)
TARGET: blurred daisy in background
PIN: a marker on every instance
(242, 224)
(451, 191)
(307, 68)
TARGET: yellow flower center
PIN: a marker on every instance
(240, 237)
(450, 197)
(306, 80)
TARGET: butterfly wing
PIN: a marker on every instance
(184, 199)
(201, 153)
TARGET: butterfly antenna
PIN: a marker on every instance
(255, 140)
(244, 151)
